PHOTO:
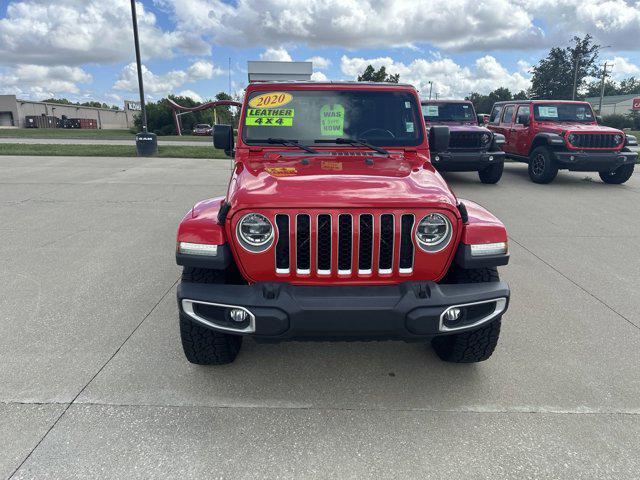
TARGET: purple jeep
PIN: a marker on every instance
(472, 148)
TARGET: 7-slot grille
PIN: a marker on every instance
(344, 243)
(594, 140)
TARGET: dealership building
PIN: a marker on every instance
(14, 111)
(616, 104)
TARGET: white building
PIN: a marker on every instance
(618, 104)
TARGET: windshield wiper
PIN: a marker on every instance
(349, 141)
(291, 143)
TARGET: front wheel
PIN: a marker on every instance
(492, 173)
(542, 168)
(474, 345)
(618, 176)
(203, 345)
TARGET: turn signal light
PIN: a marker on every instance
(487, 249)
(197, 249)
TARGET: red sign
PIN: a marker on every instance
(636, 104)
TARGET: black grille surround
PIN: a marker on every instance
(594, 140)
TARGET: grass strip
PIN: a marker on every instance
(164, 151)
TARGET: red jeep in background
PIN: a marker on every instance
(555, 134)
(336, 226)
(472, 147)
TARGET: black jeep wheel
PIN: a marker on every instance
(202, 345)
(618, 176)
(542, 168)
(492, 173)
(474, 345)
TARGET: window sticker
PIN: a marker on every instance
(407, 104)
(269, 117)
(465, 106)
(408, 127)
(270, 100)
(332, 120)
(431, 111)
(549, 112)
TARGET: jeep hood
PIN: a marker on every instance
(323, 181)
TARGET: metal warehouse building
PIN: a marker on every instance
(13, 112)
(620, 104)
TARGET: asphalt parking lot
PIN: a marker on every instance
(93, 383)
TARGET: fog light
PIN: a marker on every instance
(197, 248)
(572, 158)
(238, 315)
(453, 314)
(491, 158)
(436, 159)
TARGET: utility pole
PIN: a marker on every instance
(430, 88)
(604, 77)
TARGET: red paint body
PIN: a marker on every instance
(268, 182)
(520, 138)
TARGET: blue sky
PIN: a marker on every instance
(82, 49)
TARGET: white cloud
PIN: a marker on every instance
(203, 70)
(190, 93)
(38, 81)
(276, 54)
(321, 63)
(622, 68)
(74, 32)
(450, 80)
(318, 77)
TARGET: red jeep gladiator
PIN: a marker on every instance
(335, 226)
(472, 147)
(554, 134)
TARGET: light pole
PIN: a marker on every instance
(146, 143)
(430, 88)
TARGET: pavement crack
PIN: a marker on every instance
(575, 283)
(66, 409)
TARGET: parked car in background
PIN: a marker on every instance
(335, 226)
(472, 147)
(202, 129)
(551, 135)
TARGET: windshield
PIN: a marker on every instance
(383, 118)
(448, 112)
(563, 112)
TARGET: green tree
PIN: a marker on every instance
(160, 116)
(484, 103)
(371, 75)
(553, 77)
(224, 113)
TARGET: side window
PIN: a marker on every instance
(507, 117)
(522, 117)
(495, 114)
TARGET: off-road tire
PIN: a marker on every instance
(474, 345)
(492, 173)
(202, 345)
(542, 168)
(618, 176)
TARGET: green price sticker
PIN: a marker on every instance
(332, 120)
(269, 117)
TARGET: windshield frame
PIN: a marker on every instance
(419, 141)
(536, 117)
(472, 120)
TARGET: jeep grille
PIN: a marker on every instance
(345, 242)
(594, 140)
(465, 140)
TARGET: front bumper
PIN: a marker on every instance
(465, 161)
(595, 161)
(281, 311)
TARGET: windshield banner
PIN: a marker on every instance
(332, 120)
(272, 117)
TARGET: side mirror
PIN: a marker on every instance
(598, 119)
(439, 138)
(223, 138)
(482, 119)
(524, 120)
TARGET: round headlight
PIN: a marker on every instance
(572, 138)
(617, 139)
(255, 230)
(433, 232)
(485, 138)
